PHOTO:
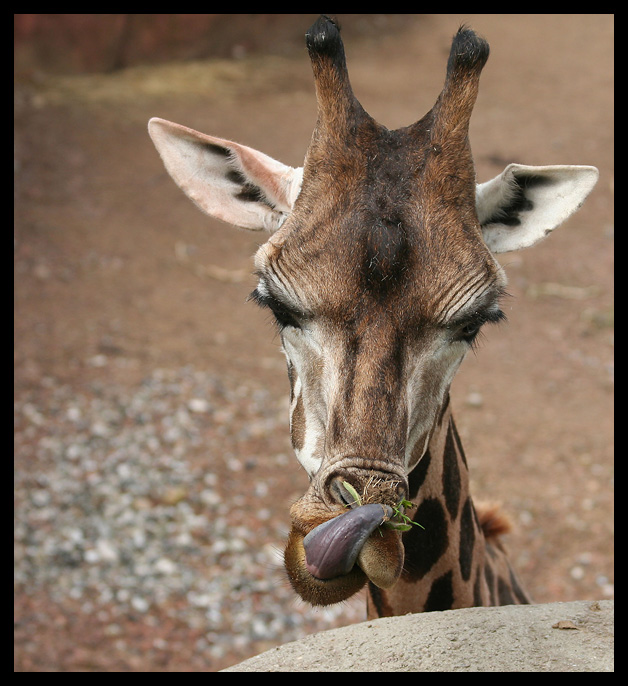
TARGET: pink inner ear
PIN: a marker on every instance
(206, 176)
(274, 178)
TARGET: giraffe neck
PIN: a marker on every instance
(457, 560)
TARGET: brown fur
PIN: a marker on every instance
(493, 520)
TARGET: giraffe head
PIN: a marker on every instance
(380, 273)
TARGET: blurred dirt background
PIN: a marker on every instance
(117, 275)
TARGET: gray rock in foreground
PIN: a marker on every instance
(556, 637)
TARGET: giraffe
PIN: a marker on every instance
(380, 272)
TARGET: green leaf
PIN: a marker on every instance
(404, 517)
(352, 492)
(397, 526)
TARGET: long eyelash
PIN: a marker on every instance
(257, 298)
(494, 317)
(491, 317)
(282, 316)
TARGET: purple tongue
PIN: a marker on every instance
(332, 548)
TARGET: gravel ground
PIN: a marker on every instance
(116, 510)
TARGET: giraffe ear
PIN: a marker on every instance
(524, 204)
(229, 181)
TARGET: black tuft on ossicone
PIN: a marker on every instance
(333, 88)
(323, 38)
(469, 52)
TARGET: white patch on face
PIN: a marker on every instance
(309, 455)
(428, 384)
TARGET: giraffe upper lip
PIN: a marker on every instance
(332, 548)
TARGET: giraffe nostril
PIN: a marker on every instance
(344, 492)
(363, 487)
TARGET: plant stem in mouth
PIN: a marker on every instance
(404, 525)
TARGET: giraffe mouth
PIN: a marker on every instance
(333, 548)
(329, 560)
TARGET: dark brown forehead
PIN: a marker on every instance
(405, 262)
(385, 215)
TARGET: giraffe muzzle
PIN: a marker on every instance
(332, 548)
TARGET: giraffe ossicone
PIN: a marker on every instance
(380, 272)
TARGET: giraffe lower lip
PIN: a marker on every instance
(332, 548)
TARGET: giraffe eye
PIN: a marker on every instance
(283, 315)
(468, 330)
